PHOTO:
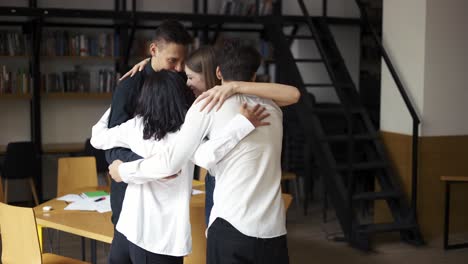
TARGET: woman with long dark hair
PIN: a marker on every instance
(155, 214)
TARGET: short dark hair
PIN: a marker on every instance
(238, 62)
(172, 31)
(163, 104)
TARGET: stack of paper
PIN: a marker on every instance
(88, 201)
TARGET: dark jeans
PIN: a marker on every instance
(123, 251)
(210, 183)
(226, 245)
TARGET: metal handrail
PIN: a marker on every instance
(408, 103)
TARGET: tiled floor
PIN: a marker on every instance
(310, 241)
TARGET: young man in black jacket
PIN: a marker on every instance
(168, 51)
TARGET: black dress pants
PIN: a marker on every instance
(226, 245)
(123, 251)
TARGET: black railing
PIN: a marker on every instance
(416, 121)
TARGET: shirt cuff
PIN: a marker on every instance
(128, 169)
(240, 126)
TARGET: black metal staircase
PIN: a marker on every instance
(350, 156)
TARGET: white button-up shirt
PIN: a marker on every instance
(247, 193)
(155, 212)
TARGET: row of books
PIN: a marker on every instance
(65, 43)
(102, 81)
(13, 43)
(11, 82)
(246, 7)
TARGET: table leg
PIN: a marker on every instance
(39, 234)
(83, 249)
(446, 214)
(93, 251)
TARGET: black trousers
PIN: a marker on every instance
(226, 245)
(123, 251)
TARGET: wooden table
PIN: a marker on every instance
(98, 226)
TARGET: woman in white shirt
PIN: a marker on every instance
(155, 213)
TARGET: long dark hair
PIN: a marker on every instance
(163, 103)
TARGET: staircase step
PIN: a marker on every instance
(318, 84)
(309, 60)
(363, 166)
(336, 110)
(345, 137)
(376, 195)
(300, 37)
(384, 227)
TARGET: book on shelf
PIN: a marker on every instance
(12, 82)
(13, 43)
(246, 7)
(79, 81)
(65, 43)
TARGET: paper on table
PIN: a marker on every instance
(90, 205)
(83, 204)
(103, 206)
(70, 198)
(195, 192)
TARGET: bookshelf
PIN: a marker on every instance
(76, 95)
(26, 96)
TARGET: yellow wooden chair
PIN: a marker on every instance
(20, 242)
(287, 176)
(75, 173)
(202, 174)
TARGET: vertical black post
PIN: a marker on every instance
(257, 7)
(278, 8)
(414, 170)
(36, 133)
(325, 8)
(131, 38)
(205, 6)
(121, 29)
(195, 5)
(446, 214)
(205, 28)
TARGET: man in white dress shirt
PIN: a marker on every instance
(247, 222)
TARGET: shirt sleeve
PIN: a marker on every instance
(123, 99)
(213, 150)
(169, 161)
(106, 138)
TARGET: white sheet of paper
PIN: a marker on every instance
(195, 192)
(70, 198)
(84, 205)
(89, 204)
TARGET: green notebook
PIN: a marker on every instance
(95, 194)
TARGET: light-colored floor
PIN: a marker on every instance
(310, 241)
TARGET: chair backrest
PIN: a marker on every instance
(202, 174)
(287, 198)
(20, 243)
(74, 173)
(20, 161)
(101, 162)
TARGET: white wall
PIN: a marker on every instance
(426, 40)
(403, 36)
(446, 76)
